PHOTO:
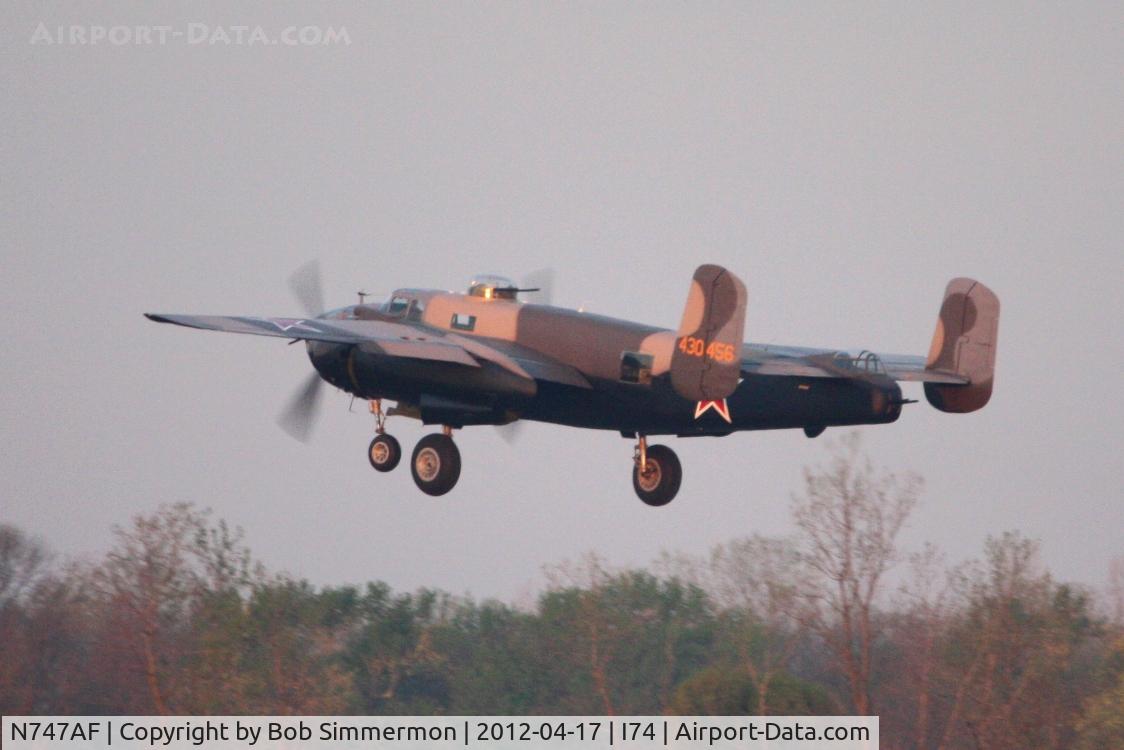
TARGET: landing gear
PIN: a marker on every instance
(384, 452)
(656, 474)
(436, 464)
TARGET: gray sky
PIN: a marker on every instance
(845, 161)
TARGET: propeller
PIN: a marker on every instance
(542, 281)
(307, 288)
(300, 413)
(511, 431)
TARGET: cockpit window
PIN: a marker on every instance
(397, 306)
(417, 309)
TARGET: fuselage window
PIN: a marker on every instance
(636, 368)
(462, 322)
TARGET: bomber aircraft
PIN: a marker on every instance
(488, 357)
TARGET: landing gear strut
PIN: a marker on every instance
(656, 473)
(436, 463)
(384, 452)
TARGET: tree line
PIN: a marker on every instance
(178, 618)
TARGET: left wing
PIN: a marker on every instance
(394, 339)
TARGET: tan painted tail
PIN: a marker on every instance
(964, 343)
(706, 362)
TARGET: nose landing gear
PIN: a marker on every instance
(384, 452)
(656, 473)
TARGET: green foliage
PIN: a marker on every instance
(179, 618)
(496, 661)
(1102, 726)
(390, 652)
(794, 697)
(716, 691)
(726, 691)
(625, 640)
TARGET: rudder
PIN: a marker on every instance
(964, 343)
(706, 361)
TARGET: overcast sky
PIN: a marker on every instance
(845, 160)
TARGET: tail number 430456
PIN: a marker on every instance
(716, 350)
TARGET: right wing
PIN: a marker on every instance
(958, 374)
(761, 359)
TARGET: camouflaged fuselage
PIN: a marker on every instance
(574, 368)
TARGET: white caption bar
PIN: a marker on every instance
(485, 732)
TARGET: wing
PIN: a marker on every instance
(394, 339)
(765, 359)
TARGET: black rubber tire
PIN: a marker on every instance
(386, 459)
(670, 475)
(441, 463)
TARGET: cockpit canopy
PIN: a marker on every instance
(407, 303)
(490, 286)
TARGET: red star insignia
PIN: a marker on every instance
(719, 405)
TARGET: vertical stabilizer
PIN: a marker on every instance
(964, 343)
(706, 362)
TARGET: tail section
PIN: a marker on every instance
(964, 343)
(706, 362)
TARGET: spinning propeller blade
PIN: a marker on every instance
(542, 282)
(300, 414)
(510, 432)
(306, 286)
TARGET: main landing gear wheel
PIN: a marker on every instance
(384, 453)
(436, 464)
(657, 474)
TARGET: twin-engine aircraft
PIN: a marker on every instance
(489, 358)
